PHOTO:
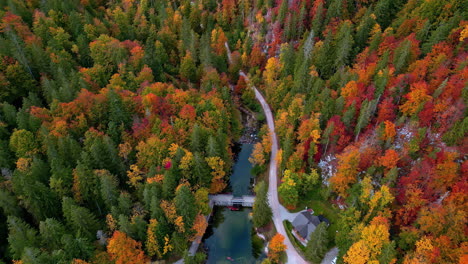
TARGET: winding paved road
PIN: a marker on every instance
(293, 256)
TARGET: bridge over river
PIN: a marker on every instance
(220, 200)
(231, 200)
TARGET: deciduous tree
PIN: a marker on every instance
(276, 247)
(288, 190)
(217, 171)
(347, 171)
(125, 250)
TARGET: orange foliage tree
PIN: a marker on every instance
(389, 131)
(199, 227)
(276, 247)
(125, 250)
(390, 159)
(416, 98)
(348, 164)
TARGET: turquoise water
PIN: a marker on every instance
(230, 234)
(231, 237)
(240, 178)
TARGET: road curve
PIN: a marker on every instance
(293, 256)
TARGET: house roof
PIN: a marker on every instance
(305, 223)
(324, 219)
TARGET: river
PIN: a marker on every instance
(229, 237)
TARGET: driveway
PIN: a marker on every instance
(293, 256)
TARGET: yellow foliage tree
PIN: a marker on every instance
(124, 150)
(375, 237)
(173, 149)
(218, 38)
(111, 223)
(167, 245)
(23, 164)
(135, 175)
(358, 253)
(217, 171)
(309, 128)
(257, 157)
(169, 210)
(372, 239)
(424, 248)
(152, 246)
(179, 223)
(415, 98)
(186, 162)
(151, 152)
(272, 71)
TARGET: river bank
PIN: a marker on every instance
(228, 238)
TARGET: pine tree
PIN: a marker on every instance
(335, 10)
(201, 172)
(287, 58)
(212, 149)
(261, 209)
(185, 205)
(367, 109)
(317, 22)
(80, 219)
(77, 247)
(322, 60)
(20, 236)
(343, 44)
(197, 142)
(318, 244)
(51, 232)
(109, 187)
(38, 199)
(170, 181)
(9, 204)
(188, 69)
(283, 10)
(363, 31)
(101, 153)
(402, 56)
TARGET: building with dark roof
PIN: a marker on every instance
(305, 223)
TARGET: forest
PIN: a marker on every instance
(118, 118)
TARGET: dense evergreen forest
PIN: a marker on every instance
(117, 119)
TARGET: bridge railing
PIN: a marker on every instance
(230, 200)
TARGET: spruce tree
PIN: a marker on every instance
(109, 187)
(51, 232)
(261, 209)
(80, 219)
(185, 205)
(343, 45)
(20, 236)
(318, 244)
